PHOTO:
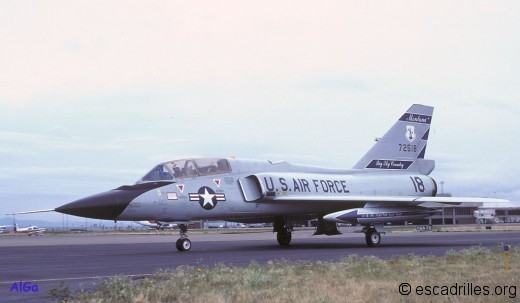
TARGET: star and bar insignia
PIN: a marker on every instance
(207, 197)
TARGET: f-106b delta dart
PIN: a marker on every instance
(390, 183)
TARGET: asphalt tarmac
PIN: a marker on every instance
(83, 261)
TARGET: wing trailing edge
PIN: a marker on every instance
(384, 200)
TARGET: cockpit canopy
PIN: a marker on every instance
(187, 168)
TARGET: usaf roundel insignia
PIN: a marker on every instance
(207, 197)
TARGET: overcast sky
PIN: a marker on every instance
(94, 93)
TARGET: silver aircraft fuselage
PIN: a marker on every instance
(249, 191)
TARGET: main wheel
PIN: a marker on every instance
(183, 244)
(284, 237)
(373, 238)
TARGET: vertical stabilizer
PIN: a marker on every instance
(404, 145)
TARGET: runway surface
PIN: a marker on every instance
(83, 261)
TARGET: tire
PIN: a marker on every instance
(284, 238)
(373, 238)
(183, 244)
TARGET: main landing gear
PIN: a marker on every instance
(373, 234)
(183, 243)
(283, 228)
(284, 237)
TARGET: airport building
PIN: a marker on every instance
(469, 213)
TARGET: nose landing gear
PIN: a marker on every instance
(183, 243)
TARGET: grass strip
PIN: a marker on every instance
(352, 279)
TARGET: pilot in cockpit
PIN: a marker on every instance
(222, 165)
(177, 172)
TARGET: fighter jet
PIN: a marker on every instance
(389, 183)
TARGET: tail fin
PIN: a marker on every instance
(404, 144)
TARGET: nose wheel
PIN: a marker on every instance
(183, 243)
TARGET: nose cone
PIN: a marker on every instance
(108, 205)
